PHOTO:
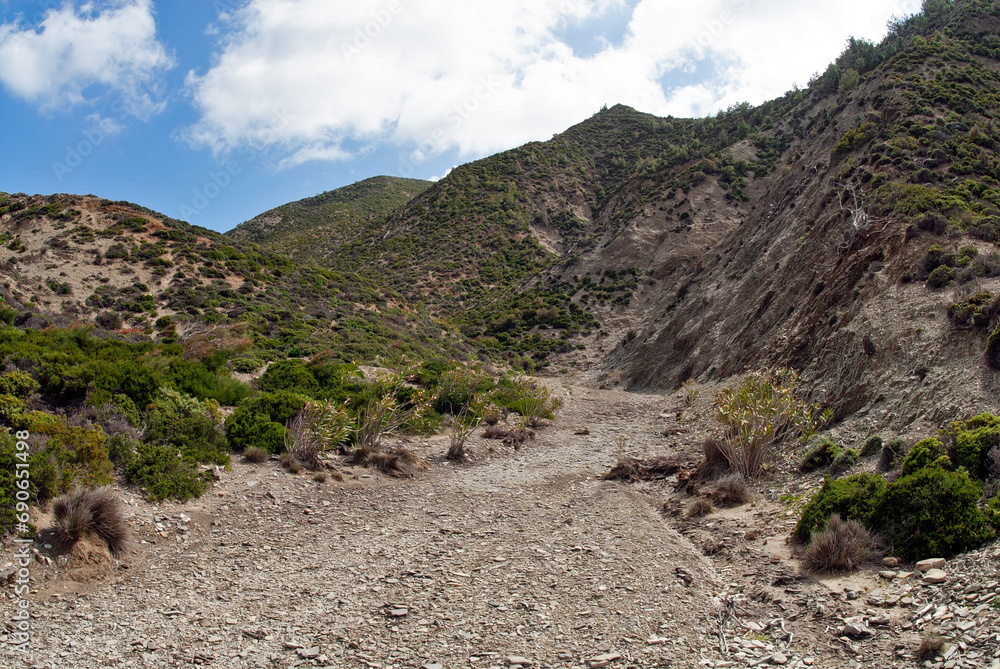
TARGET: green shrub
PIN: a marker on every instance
(933, 512)
(246, 429)
(246, 364)
(969, 443)
(533, 401)
(844, 460)
(458, 387)
(992, 512)
(853, 498)
(19, 384)
(822, 454)
(872, 447)
(993, 349)
(128, 409)
(975, 311)
(289, 375)
(194, 428)
(941, 277)
(925, 453)
(8, 482)
(162, 472)
(64, 457)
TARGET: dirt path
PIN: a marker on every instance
(517, 555)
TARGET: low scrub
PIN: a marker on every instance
(91, 511)
(930, 511)
(841, 548)
(821, 454)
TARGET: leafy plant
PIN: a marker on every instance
(759, 415)
(820, 455)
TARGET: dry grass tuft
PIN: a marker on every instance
(700, 508)
(652, 469)
(841, 548)
(731, 491)
(931, 645)
(397, 462)
(256, 455)
(97, 512)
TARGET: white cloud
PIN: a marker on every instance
(54, 63)
(102, 126)
(312, 78)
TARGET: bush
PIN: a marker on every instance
(457, 388)
(194, 428)
(163, 473)
(246, 430)
(992, 512)
(731, 491)
(259, 422)
(760, 414)
(970, 442)
(18, 384)
(97, 512)
(853, 498)
(699, 508)
(933, 512)
(993, 349)
(941, 277)
(533, 401)
(64, 457)
(246, 364)
(872, 447)
(293, 375)
(844, 461)
(255, 455)
(841, 548)
(925, 453)
(820, 455)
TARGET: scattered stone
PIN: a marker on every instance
(935, 576)
(519, 661)
(856, 629)
(779, 659)
(888, 575)
(890, 563)
(927, 565)
(308, 653)
(399, 613)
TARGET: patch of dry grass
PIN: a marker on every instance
(92, 511)
(841, 548)
(397, 462)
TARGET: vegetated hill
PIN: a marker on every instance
(70, 259)
(299, 227)
(672, 249)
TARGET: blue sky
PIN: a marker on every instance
(215, 111)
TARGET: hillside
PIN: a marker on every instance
(300, 228)
(67, 260)
(830, 230)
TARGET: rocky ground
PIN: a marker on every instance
(517, 558)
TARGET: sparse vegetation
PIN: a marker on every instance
(840, 548)
(256, 455)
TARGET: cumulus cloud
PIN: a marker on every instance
(57, 62)
(314, 80)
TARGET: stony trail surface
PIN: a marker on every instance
(525, 555)
(516, 558)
